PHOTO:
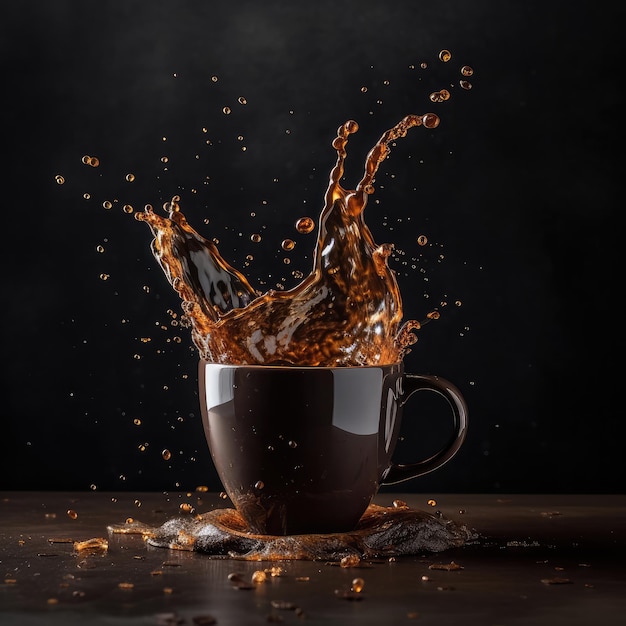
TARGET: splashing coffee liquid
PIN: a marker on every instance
(346, 312)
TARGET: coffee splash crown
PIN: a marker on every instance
(346, 312)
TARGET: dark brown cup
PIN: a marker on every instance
(304, 449)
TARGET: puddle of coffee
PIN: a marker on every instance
(383, 532)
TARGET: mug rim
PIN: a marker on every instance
(204, 362)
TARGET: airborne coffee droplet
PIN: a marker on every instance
(305, 225)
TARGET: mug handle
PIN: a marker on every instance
(397, 473)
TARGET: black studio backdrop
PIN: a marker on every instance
(516, 191)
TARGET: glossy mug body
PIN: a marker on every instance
(305, 449)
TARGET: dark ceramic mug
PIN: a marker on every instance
(305, 449)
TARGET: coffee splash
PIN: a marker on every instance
(346, 312)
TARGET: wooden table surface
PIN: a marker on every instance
(539, 559)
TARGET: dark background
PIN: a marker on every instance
(517, 192)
